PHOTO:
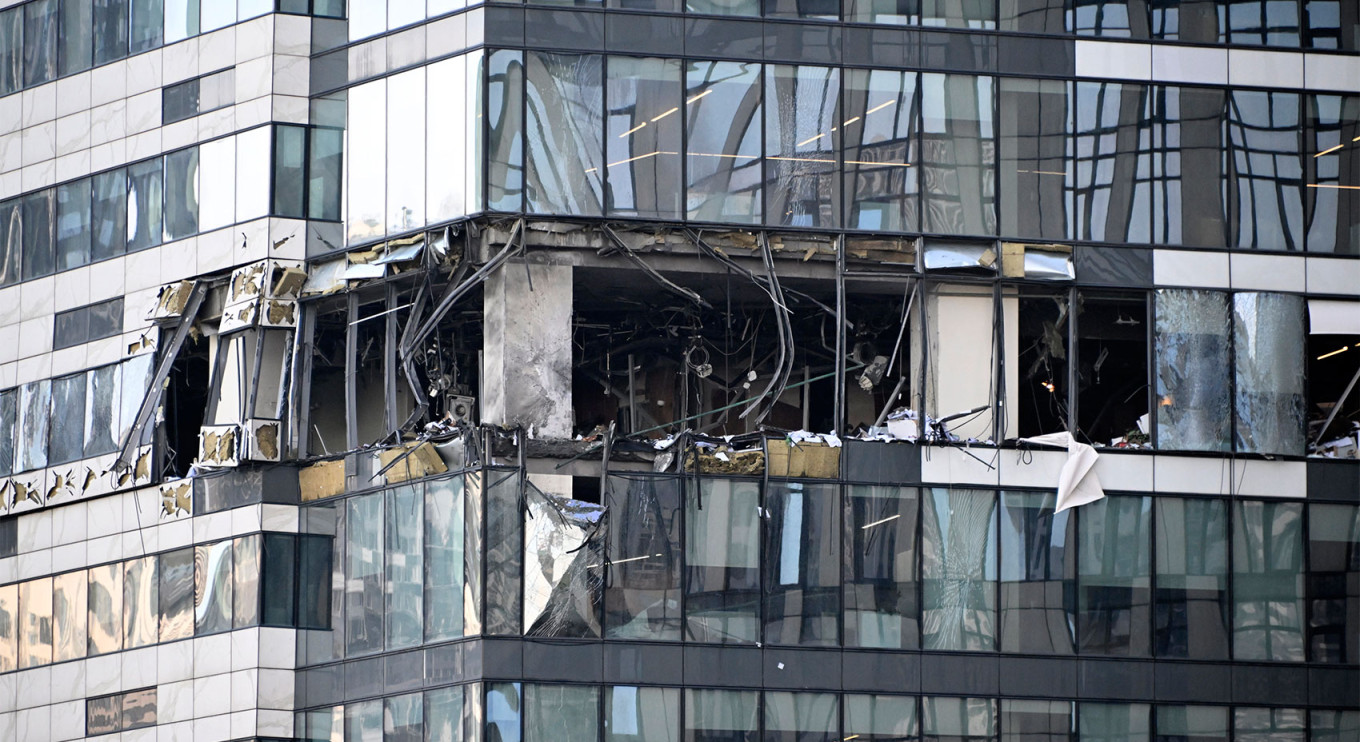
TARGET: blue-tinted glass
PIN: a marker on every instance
(108, 209)
(73, 224)
(110, 30)
(39, 212)
(11, 50)
(76, 36)
(40, 41)
(144, 205)
(146, 22)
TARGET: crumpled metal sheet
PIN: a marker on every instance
(1268, 344)
(563, 566)
(1193, 392)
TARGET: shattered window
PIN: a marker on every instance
(563, 125)
(880, 717)
(1038, 575)
(1193, 392)
(802, 564)
(722, 561)
(881, 609)
(1268, 611)
(1190, 613)
(723, 124)
(642, 584)
(1114, 568)
(802, 138)
(1268, 348)
(1115, 722)
(643, 137)
(563, 566)
(958, 153)
(1334, 583)
(66, 440)
(958, 574)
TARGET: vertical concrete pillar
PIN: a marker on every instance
(526, 355)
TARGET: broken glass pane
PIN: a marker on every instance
(33, 409)
(642, 593)
(1268, 351)
(958, 576)
(1193, 410)
(563, 566)
(101, 410)
(564, 127)
(136, 379)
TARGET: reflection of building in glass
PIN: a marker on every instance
(652, 371)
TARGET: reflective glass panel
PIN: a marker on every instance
(1036, 16)
(73, 224)
(1115, 722)
(1331, 213)
(39, 216)
(642, 142)
(722, 561)
(144, 205)
(802, 139)
(475, 112)
(723, 124)
(880, 576)
(366, 166)
(958, 144)
(214, 15)
(561, 713)
(9, 414)
(70, 612)
(796, 717)
(245, 593)
(1331, 24)
(108, 209)
(403, 718)
(212, 587)
(633, 714)
(503, 706)
(958, 572)
(443, 715)
(802, 559)
(176, 594)
(880, 718)
(1114, 564)
(35, 622)
(721, 716)
(279, 578)
(1334, 583)
(1268, 612)
(888, 12)
(11, 241)
(958, 719)
(505, 131)
(324, 174)
(1188, 166)
(140, 602)
(504, 554)
(146, 21)
(642, 587)
(1111, 138)
(40, 41)
(181, 19)
(405, 514)
(66, 439)
(1034, 145)
(252, 173)
(105, 625)
(446, 109)
(217, 184)
(1190, 617)
(11, 50)
(1037, 721)
(444, 563)
(364, 574)
(1038, 574)
(110, 30)
(406, 151)
(1192, 724)
(1268, 724)
(33, 425)
(880, 157)
(181, 193)
(1189, 20)
(1193, 408)
(1265, 194)
(9, 628)
(364, 721)
(1263, 22)
(959, 13)
(564, 122)
(1333, 726)
(1268, 350)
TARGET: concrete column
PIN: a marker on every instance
(526, 355)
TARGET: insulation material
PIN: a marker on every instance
(272, 278)
(176, 498)
(264, 441)
(1268, 352)
(239, 317)
(172, 299)
(217, 445)
(813, 459)
(1193, 390)
(321, 480)
(1328, 317)
(279, 313)
(1078, 483)
(423, 461)
(563, 566)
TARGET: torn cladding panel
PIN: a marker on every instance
(563, 565)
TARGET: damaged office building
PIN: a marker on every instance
(647, 371)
